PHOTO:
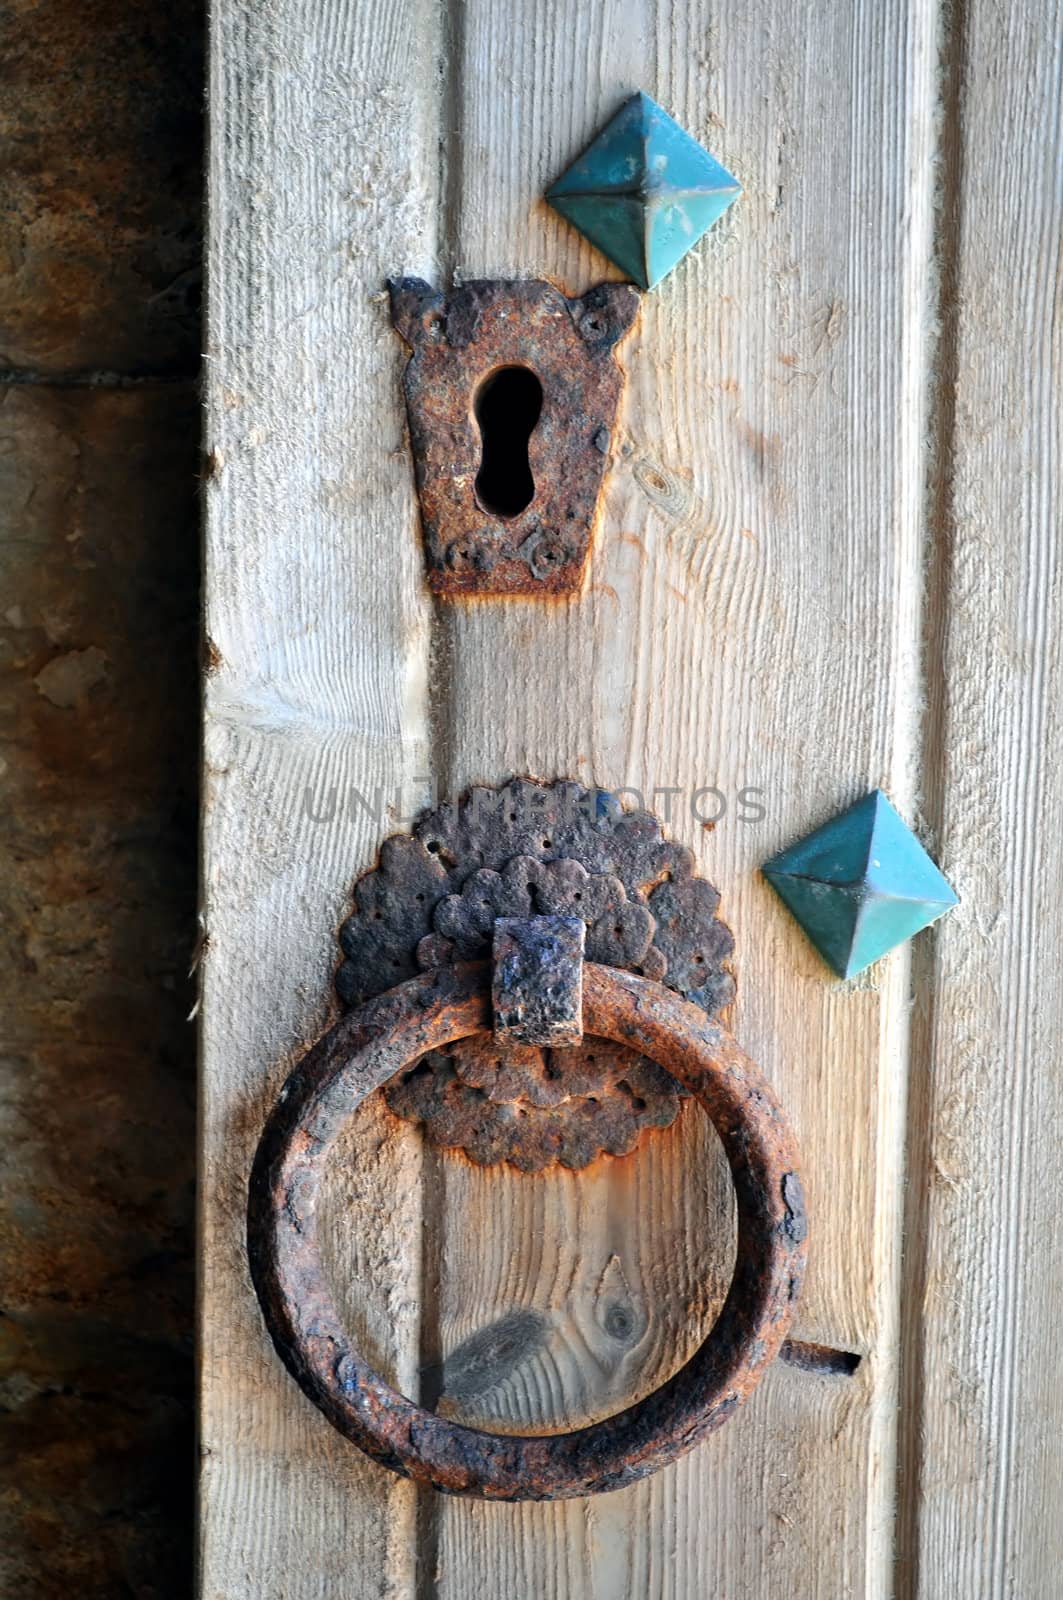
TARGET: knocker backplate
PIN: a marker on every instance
(535, 849)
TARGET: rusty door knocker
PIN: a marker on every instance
(592, 923)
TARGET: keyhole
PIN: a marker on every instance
(507, 408)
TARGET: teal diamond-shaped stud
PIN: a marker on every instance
(644, 192)
(860, 885)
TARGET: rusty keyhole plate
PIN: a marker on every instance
(536, 849)
(458, 342)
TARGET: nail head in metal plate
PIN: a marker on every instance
(537, 982)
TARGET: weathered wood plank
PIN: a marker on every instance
(323, 180)
(752, 619)
(983, 1393)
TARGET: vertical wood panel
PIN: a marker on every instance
(323, 177)
(752, 618)
(983, 1396)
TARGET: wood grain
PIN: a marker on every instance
(323, 179)
(983, 1394)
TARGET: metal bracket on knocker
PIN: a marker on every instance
(535, 976)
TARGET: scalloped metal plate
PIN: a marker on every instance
(536, 849)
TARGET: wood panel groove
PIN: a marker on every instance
(430, 1350)
(941, 378)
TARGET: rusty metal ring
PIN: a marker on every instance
(364, 1050)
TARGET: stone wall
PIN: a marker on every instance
(100, 194)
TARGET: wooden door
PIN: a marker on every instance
(827, 562)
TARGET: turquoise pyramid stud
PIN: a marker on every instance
(860, 885)
(644, 192)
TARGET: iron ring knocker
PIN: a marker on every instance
(372, 1044)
